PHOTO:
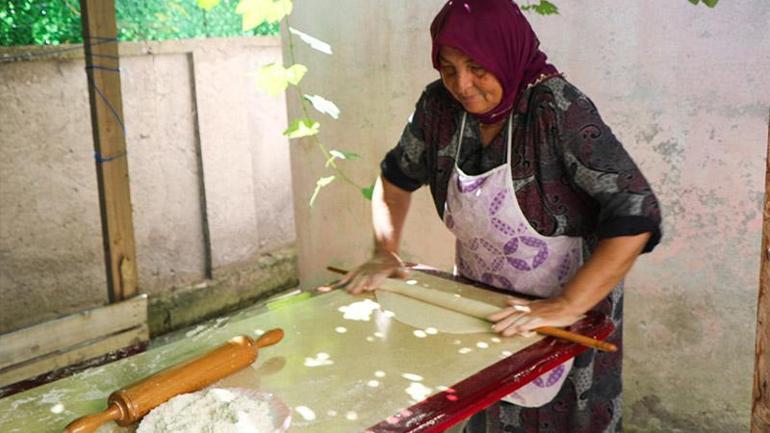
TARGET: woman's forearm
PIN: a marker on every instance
(609, 263)
(390, 205)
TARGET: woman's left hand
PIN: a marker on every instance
(523, 316)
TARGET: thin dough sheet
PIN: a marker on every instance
(423, 315)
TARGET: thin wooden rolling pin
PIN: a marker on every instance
(478, 309)
(130, 404)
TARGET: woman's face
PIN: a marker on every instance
(473, 86)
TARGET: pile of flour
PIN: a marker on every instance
(216, 410)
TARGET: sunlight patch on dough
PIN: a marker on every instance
(320, 360)
(305, 412)
(418, 391)
(361, 310)
(413, 377)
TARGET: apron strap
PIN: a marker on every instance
(460, 139)
(509, 141)
(509, 148)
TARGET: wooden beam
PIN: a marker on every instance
(64, 333)
(58, 343)
(103, 70)
(760, 407)
(86, 351)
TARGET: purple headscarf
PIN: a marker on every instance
(497, 36)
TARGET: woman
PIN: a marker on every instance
(542, 199)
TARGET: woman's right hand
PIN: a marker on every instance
(372, 273)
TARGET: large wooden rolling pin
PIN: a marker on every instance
(130, 404)
(477, 309)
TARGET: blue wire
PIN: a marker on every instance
(98, 157)
(99, 40)
(104, 68)
(101, 159)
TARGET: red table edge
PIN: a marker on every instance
(479, 391)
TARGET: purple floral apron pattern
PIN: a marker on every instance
(495, 244)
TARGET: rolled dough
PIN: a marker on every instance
(423, 315)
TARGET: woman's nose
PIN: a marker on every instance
(464, 81)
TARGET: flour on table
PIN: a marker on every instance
(216, 410)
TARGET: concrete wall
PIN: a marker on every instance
(684, 87)
(209, 174)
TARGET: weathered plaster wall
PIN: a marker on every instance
(683, 87)
(686, 89)
(208, 166)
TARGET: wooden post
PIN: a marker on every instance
(102, 67)
(760, 407)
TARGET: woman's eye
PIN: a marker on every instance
(448, 71)
(478, 70)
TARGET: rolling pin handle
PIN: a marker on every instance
(270, 337)
(90, 423)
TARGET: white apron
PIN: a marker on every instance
(496, 245)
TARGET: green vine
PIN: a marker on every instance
(329, 155)
(544, 7)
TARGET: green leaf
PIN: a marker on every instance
(709, 3)
(207, 4)
(274, 78)
(255, 12)
(314, 43)
(320, 183)
(367, 192)
(295, 73)
(544, 7)
(324, 105)
(302, 128)
(280, 9)
(341, 154)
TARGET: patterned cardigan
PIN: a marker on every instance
(571, 175)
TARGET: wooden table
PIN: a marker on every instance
(337, 374)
